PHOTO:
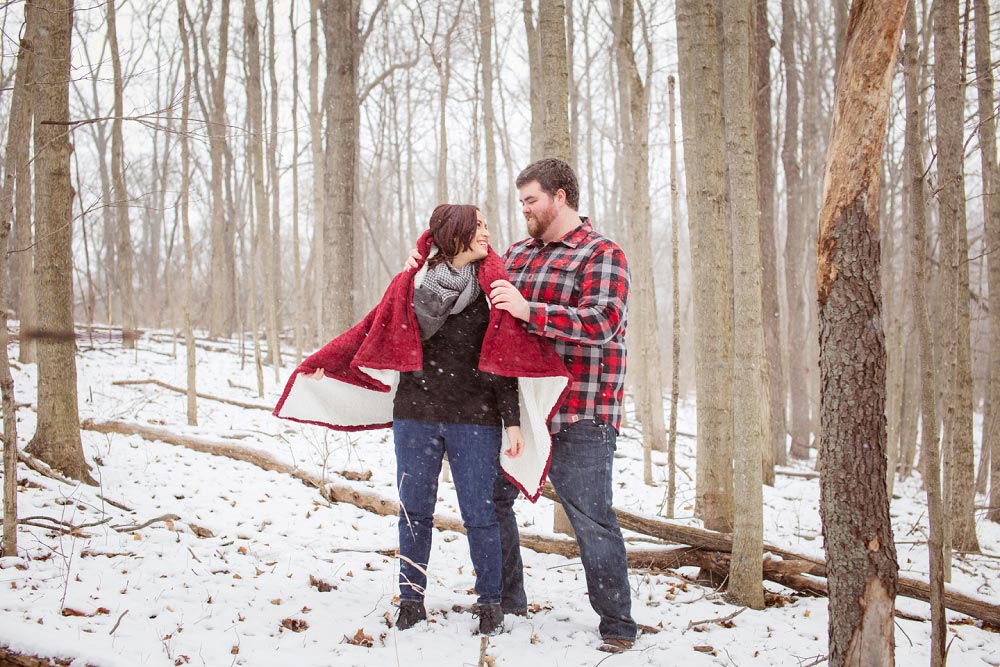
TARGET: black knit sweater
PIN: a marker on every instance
(450, 388)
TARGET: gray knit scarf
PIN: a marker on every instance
(444, 291)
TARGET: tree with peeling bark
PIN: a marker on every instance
(857, 531)
(57, 436)
(928, 387)
(751, 412)
(701, 119)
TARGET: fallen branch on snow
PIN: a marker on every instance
(181, 390)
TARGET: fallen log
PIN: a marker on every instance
(209, 397)
(9, 658)
(705, 549)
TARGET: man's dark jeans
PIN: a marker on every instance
(472, 453)
(581, 470)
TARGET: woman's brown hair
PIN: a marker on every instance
(453, 227)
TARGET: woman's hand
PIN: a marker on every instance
(315, 375)
(516, 441)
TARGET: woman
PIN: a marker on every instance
(434, 358)
(450, 406)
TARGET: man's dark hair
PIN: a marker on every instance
(553, 174)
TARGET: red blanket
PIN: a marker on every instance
(362, 365)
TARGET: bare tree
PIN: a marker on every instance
(534, 80)
(221, 290)
(751, 413)
(15, 158)
(930, 440)
(675, 363)
(57, 436)
(554, 78)
(489, 121)
(795, 242)
(991, 209)
(857, 532)
(959, 471)
(341, 248)
(192, 385)
(698, 51)
(120, 198)
(768, 252)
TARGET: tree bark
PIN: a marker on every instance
(698, 62)
(534, 80)
(340, 246)
(18, 166)
(857, 531)
(221, 311)
(991, 207)
(120, 192)
(15, 159)
(795, 241)
(751, 412)
(57, 436)
(675, 362)
(554, 77)
(192, 378)
(959, 494)
(489, 121)
(930, 440)
(768, 253)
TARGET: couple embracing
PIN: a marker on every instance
(515, 368)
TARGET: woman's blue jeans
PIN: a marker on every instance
(472, 453)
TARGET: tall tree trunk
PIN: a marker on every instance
(948, 101)
(274, 181)
(554, 79)
(991, 207)
(18, 166)
(751, 412)
(192, 383)
(341, 248)
(57, 436)
(251, 30)
(634, 102)
(768, 252)
(991, 224)
(221, 306)
(296, 259)
(489, 122)
(930, 440)
(795, 250)
(857, 532)
(534, 80)
(316, 328)
(120, 192)
(675, 362)
(15, 159)
(698, 61)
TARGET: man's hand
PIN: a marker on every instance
(315, 375)
(414, 259)
(516, 441)
(505, 296)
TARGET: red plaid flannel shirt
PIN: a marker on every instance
(577, 288)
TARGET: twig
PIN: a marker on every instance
(821, 659)
(733, 615)
(114, 503)
(484, 642)
(131, 529)
(118, 622)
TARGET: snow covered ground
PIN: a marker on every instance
(252, 590)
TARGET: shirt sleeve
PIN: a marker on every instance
(505, 389)
(600, 312)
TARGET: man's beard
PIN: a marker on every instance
(539, 224)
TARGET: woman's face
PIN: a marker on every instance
(480, 244)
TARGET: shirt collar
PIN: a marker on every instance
(573, 238)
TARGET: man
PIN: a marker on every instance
(570, 284)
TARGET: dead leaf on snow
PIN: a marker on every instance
(295, 624)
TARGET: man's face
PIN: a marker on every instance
(539, 208)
